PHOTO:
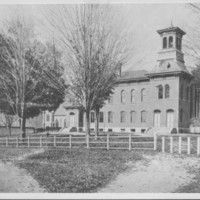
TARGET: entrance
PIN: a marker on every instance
(170, 118)
(71, 119)
(157, 118)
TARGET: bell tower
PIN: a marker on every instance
(171, 44)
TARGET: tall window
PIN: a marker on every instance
(132, 116)
(170, 42)
(178, 43)
(164, 43)
(167, 91)
(160, 92)
(56, 123)
(143, 95)
(101, 117)
(92, 117)
(123, 96)
(133, 96)
(122, 117)
(143, 116)
(187, 94)
(65, 123)
(110, 100)
(47, 117)
(181, 92)
(110, 117)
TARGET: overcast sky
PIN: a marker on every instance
(142, 21)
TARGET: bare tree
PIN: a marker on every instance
(8, 120)
(29, 77)
(92, 40)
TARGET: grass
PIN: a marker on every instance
(78, 170)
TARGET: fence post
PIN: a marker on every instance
(87, 140)
(28, 141)
(198, 145)
(155, 142)
(17, 144)
(40, 141)
(188, 143)
(54, 141)
(6, 141)
(163, 144)
(129, 148)
(171, 144)
(179, 145)
(70, 141)
(107, 141)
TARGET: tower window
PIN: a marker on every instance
(170, 42)
(164, 43)
(178, 43)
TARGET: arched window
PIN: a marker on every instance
(167, 94)
(65, 123)
(164, 43)
(143, 116)
(133, 99)
(178, 43)
(181, 92)
(143, 95)
(132, 116)
(47, 117)
(123, 97)
(110, 117)
(56, 123)
(101, 117)
(160, 92)
(122, 117)
(170, 42)
(110, 100)
(92, 117)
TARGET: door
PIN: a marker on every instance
(170, 118)
(157, 118)
(71, 119)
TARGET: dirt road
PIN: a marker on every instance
(161, 173)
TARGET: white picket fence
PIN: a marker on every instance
(108, 142)
(180, 143)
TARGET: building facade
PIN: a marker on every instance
(164, 98)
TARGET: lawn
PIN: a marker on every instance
(78, 170)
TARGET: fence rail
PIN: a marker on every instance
(108, 142)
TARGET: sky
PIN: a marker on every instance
(141, 22)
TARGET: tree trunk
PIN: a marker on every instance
(23, 126)
(88, 123)
(96, 122)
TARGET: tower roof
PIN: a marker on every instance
(175, 29)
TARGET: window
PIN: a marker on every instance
(178, 43)
(143, 117)
(160, 92)
(123, 98)
(143, 95)
(101, 117)
(167, 91)
(56, 123)
(110, 100)
(122, 117)
(132, 116)
(170, 42)
(181, 115)
(187, 94)
(92, 117)
(181, 92)
(47, 117)
(65, 123)
(110, 117)
(133, 96)
(164, 43)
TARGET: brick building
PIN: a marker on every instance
(164, 98)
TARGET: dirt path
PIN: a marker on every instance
(15, 180)
(160, 173)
